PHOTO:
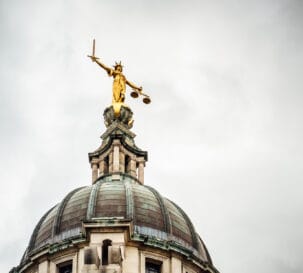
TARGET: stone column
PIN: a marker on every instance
(43, 267)
(133, 167)
(110, 162)
(122, 161)
(131, 264)
(176, 265)
(101, 167)
(94, 172)
(116, 157)
(141, 170)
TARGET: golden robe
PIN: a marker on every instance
(119, 86)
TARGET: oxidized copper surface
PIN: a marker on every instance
(111, 200)
(150, 211)
(146, 208)
(75, 210)
(45, 231)
(179, 225)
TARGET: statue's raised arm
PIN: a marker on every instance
(102, 65)
(96, 59)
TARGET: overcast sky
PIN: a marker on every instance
(224, 130)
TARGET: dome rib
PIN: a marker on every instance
(204, 248)
(190, 226)
(93, 200)
(129, 200)
(36, 230)
(58, 217)
(165, 214)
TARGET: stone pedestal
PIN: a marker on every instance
(125, 117)
(118, 153)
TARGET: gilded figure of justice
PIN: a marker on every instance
(119, 83)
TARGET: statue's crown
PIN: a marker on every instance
(118, 64)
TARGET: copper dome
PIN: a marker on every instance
(153, 216)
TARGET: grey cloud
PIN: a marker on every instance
(224, 130)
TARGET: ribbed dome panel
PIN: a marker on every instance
(75, 210)
(152, 215)
(180, 227)
(45, 231)
(111, 200)
(147, 209)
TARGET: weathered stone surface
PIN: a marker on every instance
(125, 117)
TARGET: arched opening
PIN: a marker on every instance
(105, 245)
(152, 266)
(127, 164)
(106, 164)
(66, 267)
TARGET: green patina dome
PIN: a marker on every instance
(154, 217)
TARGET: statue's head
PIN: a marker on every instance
(118, 66)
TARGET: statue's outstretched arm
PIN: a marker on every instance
(139, 89)
(107, 69)
(102, 65)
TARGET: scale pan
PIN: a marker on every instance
(134, 94)
(146, 100)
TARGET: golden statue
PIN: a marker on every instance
(119, 83)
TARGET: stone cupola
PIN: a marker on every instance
(118, 153)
